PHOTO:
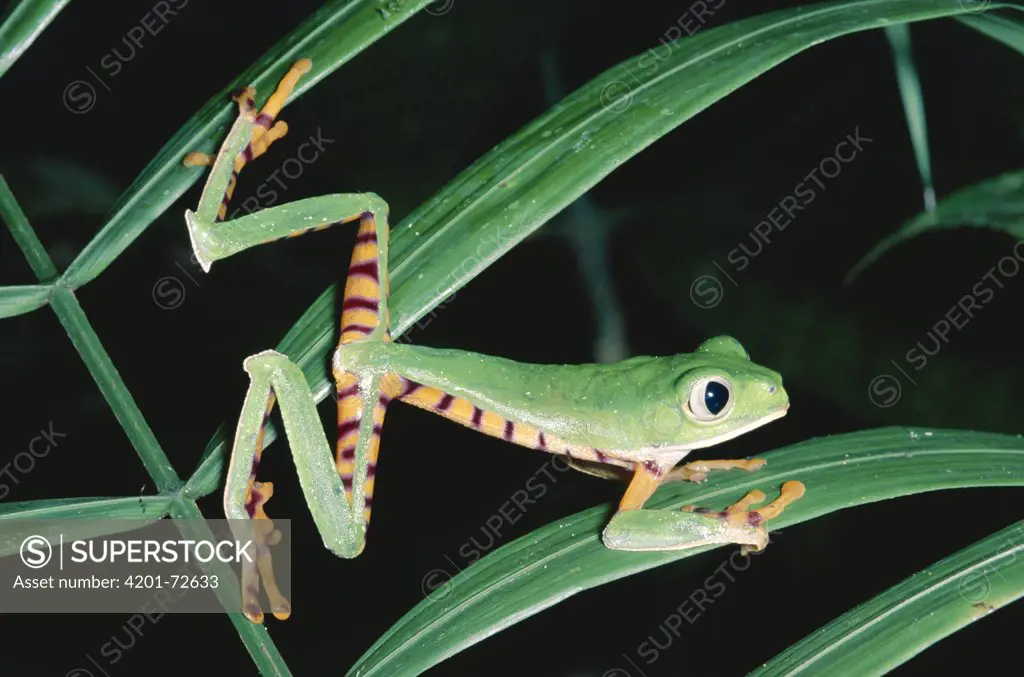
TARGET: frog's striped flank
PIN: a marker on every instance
(491, 423)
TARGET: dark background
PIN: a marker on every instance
(408, 115)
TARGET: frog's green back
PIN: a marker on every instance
(627, 406)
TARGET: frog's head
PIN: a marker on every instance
(722, 394)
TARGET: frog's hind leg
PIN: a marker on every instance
(245, 500)
(250, 137)
(338, 508)
(355, 437)
(266, 128)
(260, 530)
(365, 316)
(365, 309)
(363, 391)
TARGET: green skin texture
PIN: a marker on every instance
(635, 410)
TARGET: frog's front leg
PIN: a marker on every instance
(636, 529)
(697, 471)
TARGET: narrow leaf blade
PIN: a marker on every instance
(25, 22)
(1008, 31)
(996, 203)
(913, 106)
(131, 507)
(82, 518)
(890, 629)
(566, 557)
(19, 300)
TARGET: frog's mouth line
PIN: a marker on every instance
(753, 425)
(683, 449)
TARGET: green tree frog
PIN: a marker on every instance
(634, 420)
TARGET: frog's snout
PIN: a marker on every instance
(777, 394)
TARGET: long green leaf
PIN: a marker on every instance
(913, 106)
(127, 508)
(22, 24)
(78, 518)
(996, 203)
(332, 36)
(898, 624)
(23, 299)
(566, 557)
(23, 234)
(516, 187)
(1003, 29)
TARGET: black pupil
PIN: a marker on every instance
(716, 396)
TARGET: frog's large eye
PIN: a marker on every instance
(710, 398)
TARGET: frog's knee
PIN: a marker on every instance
(265, 363)
(361, 357)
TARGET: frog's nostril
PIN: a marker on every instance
(771, 389)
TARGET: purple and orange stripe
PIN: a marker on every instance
(491, 423)
(256, 493)
(361, 313)
(350, 413)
